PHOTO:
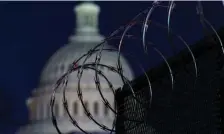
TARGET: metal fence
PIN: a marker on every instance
(191, 107)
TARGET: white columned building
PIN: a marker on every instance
(86, 37)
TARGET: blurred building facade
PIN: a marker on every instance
(86, 37)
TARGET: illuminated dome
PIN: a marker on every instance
(62, 59)
(86, 37)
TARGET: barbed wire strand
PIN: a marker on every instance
(99, 48)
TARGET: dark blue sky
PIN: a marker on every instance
(31, 32)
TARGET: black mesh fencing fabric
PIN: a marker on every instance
(187, 109)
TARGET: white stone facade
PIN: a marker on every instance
(86, 37)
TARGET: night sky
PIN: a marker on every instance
(31, 32)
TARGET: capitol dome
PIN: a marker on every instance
(62, 59)
(86, 37)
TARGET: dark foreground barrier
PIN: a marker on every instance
(193, 106)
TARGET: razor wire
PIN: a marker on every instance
(99, 48)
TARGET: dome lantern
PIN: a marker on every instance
(87, 18)
(86, 30)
